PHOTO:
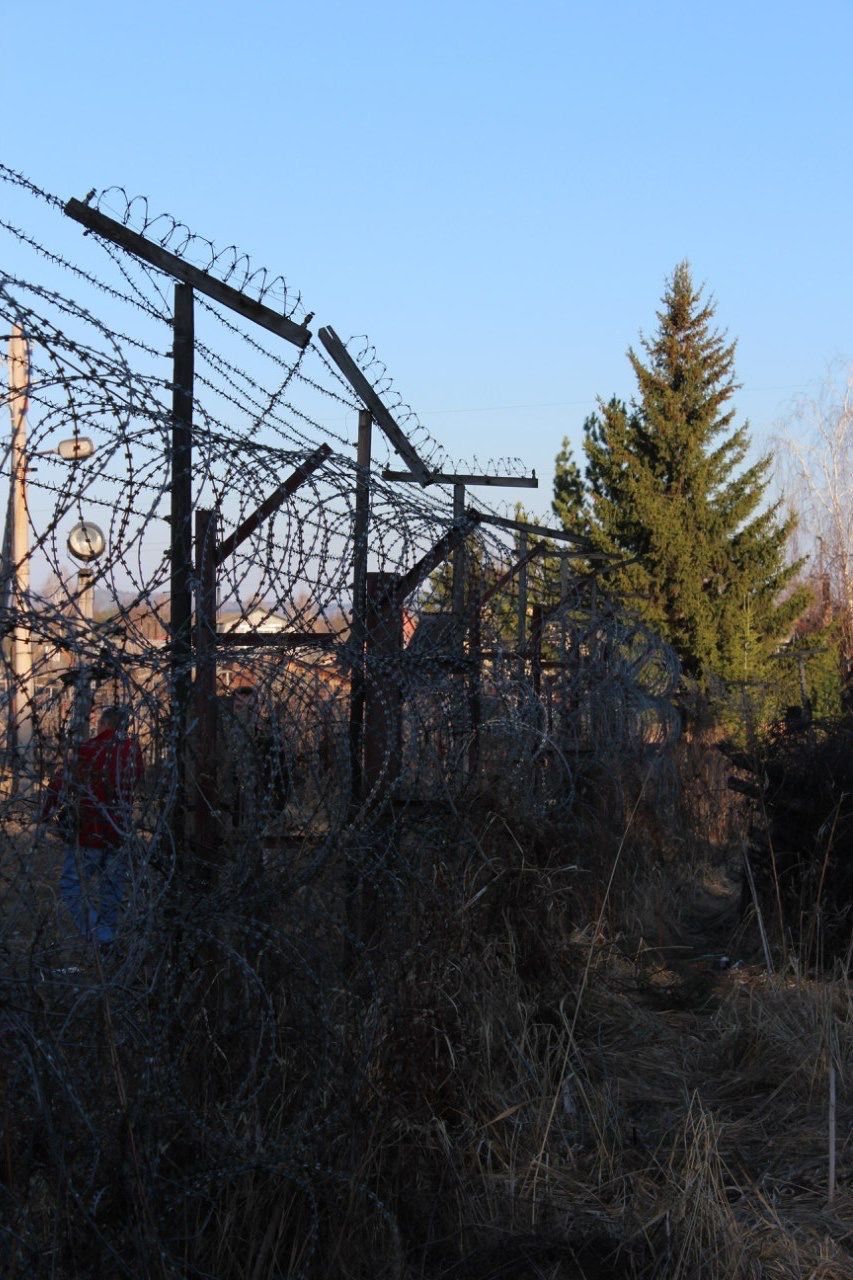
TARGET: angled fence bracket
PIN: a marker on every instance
(284, 491)
(156, 256)
(436, 555)
(371, 400)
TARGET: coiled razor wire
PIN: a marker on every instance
(147, 1074)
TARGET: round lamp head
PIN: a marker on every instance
(76, 449)
(86, 541)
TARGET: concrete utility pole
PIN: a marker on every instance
(20, 729)
(16, 570)
(86, 596)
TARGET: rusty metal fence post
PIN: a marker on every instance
(378, 761)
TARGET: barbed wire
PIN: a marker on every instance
(251, 893)
(228, 264)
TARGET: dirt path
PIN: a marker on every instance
(726, 1075)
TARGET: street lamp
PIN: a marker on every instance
(86, 542)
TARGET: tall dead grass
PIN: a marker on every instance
(532, 1067)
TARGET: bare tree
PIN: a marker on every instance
(817, 454)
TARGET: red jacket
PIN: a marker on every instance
(97, 792)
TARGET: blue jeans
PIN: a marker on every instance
(92, 886)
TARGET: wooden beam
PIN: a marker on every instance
(174, 266)
(206, 828)
(537, 549)
(440, 477)
(383, 697)
(358, 634)
(278, 639)
(585, 550)
(370, 399)
(436, 555)
(181, 506)
(243, 531)
(552, 611)
(523, 565)
(460, 560)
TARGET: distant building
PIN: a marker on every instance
(258, 619)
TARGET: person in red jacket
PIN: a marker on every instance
(94, 796)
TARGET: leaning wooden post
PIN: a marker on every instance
(359, 577)
(458, 590)
(383, 693)
(181, 543)
(460, 563)
(206, 827)
(380, 763)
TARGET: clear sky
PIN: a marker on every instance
(494, 192)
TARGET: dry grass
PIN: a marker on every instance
(534, 1070)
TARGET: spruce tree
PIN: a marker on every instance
(569, 497)
(668, 488)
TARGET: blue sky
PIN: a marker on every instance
(495, 193)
